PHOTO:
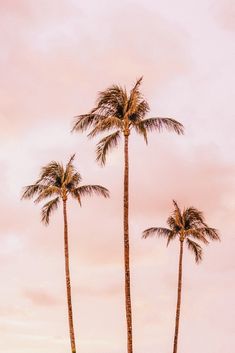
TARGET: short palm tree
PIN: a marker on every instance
(121, 113)
(186, 226)
(59, 182)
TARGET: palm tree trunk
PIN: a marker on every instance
(126, 247)
(177, 318)
(67, 273)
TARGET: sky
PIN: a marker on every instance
(55, 57)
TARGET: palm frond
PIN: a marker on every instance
(74, 192)
(69, 171)
(140, 111)
(70, 162)
(89, 190)
(137, 84)
(171, 237)
(152, 124)
(47, 192)
(177, 215)
(211, 233)
(196, 249)
(193, 218)
(135, 98)
(197, 233)
(31, 190)
(107, 124)
(157, 231)
(53, 172)
(48, 208)
(140, 130)
(173, 225)
(111, 102)
(105, 145)
(83, 122)
(75, 179)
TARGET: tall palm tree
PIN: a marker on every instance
(60, 182)
(184, 226)
(121, 113)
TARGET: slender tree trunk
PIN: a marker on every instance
(68, 287)
(126, 247)
(177, 318)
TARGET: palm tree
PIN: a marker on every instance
(184, 226)
(59, 182)
(120, 112)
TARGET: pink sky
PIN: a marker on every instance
(55, 56)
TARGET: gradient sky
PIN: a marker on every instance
(55, 56)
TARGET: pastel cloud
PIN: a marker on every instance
(225, 12)
(40, 297)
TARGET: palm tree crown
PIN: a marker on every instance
(188, 225)
(117, 110)
(58, 182)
